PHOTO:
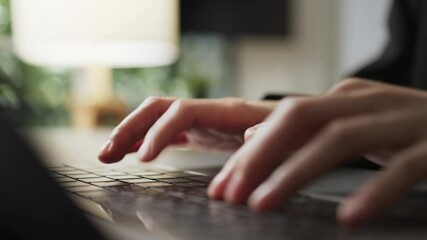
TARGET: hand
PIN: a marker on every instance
(319, 133)
(208, 124)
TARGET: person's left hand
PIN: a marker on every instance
(356, 117)
(201, 124)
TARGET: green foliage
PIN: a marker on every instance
(40, 94)
(45, 94)
(5, 27)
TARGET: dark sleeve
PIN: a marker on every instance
(398, 62)
(274, 96)
(395, 64)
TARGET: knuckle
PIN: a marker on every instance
(150, 103)
(378, 93)
(180, 105)
(234, 101)
(237, 104)
(340, 131)
(122, 133)
(348, 85)
(295, 107)
(119, 133)
(152, 100)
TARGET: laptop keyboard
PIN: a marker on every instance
(179, 198)
(95, 183)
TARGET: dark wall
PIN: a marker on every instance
(236, 17)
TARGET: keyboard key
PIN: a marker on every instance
(144, 173)
(175, 180)
(86, 188)
(109, 184)
(162, 176)
(138, 180)
(73, 184)
(71, 172)
(162, 189)
(96, 169)
(64, 179)
(60, 168)
(191, 184)
(108, 173)
(178, 174)
(153, 184)
(98, 179)
(172, 172)
(83, 176)
(122, 177)
(204, 179)
(55, 175)
(128, 189)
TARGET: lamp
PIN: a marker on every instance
(95, 35)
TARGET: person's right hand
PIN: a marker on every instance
(305, 138)
(207, 124)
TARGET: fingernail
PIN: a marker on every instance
(105, 149)
(248, 134)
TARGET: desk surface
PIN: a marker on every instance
(82, 146)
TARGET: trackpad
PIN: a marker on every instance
(335, 186)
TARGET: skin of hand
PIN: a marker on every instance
(306, 137)
(301, 140)
(203, 124)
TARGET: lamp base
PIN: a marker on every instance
(93, 102)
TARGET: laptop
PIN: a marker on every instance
(91, 201)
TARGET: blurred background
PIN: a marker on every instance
(226, 48)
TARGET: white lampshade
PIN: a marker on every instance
(81, 33)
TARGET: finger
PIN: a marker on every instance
(133, 128)
(136, 146)
(219, 185)
(228, 115)
(180, 139)
(212, 140)
(219, 182)
(338, 142)
(290, 126)
(407, 168)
